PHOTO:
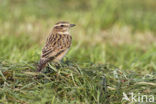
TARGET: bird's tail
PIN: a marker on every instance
(42, 64)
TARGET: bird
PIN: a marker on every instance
(57, 44)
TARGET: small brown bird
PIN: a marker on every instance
(57, 44)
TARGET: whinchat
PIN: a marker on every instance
(57, 44)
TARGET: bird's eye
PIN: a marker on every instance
(62, 25)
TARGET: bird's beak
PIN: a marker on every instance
(72, 25)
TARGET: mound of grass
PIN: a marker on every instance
(71, 83)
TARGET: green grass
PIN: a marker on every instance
(113, 51)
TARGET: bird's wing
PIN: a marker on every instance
(56, 44)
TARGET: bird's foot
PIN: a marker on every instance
(58, 65)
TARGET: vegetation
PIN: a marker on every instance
(113, 51)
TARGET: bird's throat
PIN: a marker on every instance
(63, 32)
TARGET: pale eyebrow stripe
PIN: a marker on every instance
(61, 24)
(56, 25)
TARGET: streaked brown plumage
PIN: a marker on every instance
(57, 44)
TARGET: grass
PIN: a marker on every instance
(113, 51)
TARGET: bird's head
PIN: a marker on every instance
(62, 27)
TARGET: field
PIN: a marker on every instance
(113, 52)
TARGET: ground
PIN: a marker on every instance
(113, 51)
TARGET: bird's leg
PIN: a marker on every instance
(58, 64)
(55, 64)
